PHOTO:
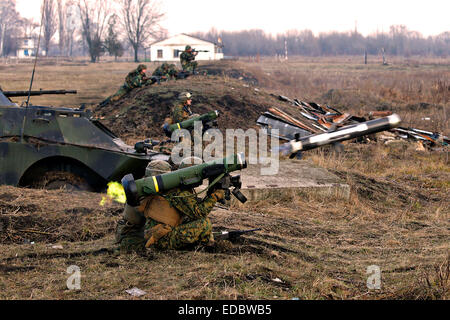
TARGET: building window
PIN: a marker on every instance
(25, 42)
(160, 54)
(176, 53)
(25, 52)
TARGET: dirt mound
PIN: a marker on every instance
(142, 112)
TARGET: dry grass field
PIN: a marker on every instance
(309, 247)
(414, 87)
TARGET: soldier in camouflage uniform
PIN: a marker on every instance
(135, 79)
(182, 110)
(175, 220)
(166, 71)
(187, 58)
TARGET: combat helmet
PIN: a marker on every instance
(185, 96)
(187, 48)
(141, 67)
(157, 167)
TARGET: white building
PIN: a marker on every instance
(171, 48)
(26, 48)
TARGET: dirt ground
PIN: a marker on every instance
(309, 247)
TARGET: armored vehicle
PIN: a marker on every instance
(51, 147)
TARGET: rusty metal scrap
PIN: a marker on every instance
(318, 118)
(289, 119)
(428, 138)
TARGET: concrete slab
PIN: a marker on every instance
(294, 177)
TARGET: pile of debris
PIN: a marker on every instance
(426, 138)
(317, 119)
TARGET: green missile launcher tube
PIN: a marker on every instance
(188, 177)
(189, 124)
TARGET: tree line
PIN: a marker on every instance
(398, 41)
(98, 27)
(92, 27)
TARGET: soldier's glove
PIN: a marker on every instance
(218, 195)
(156, 233)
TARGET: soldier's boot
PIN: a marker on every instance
(130, 237)
(116, 97)
(220, 245)
(209, 246)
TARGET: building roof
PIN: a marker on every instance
(182, 39)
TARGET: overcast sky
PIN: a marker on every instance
(430, 17)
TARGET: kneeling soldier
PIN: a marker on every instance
(174, 220)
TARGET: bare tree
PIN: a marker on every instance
(28, 27)
(62, 17)
(71, 12)
(112, 43)
(49, 23)
(94, 15)
(141, 20)
(9, 22)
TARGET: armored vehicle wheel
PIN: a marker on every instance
(60, 179)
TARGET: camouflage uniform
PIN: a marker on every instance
(181, 112)
(166, 70)
(137, 227)
(134, 79)
(187, 58)
(195, 228)
(130, 231)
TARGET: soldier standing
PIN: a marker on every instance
(187, 59)
(173, 220)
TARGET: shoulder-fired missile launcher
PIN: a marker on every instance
(209, 120)
(217, 171)
(51, 147)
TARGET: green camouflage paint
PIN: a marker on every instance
(62, 139)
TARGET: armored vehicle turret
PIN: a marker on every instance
(51, 147)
